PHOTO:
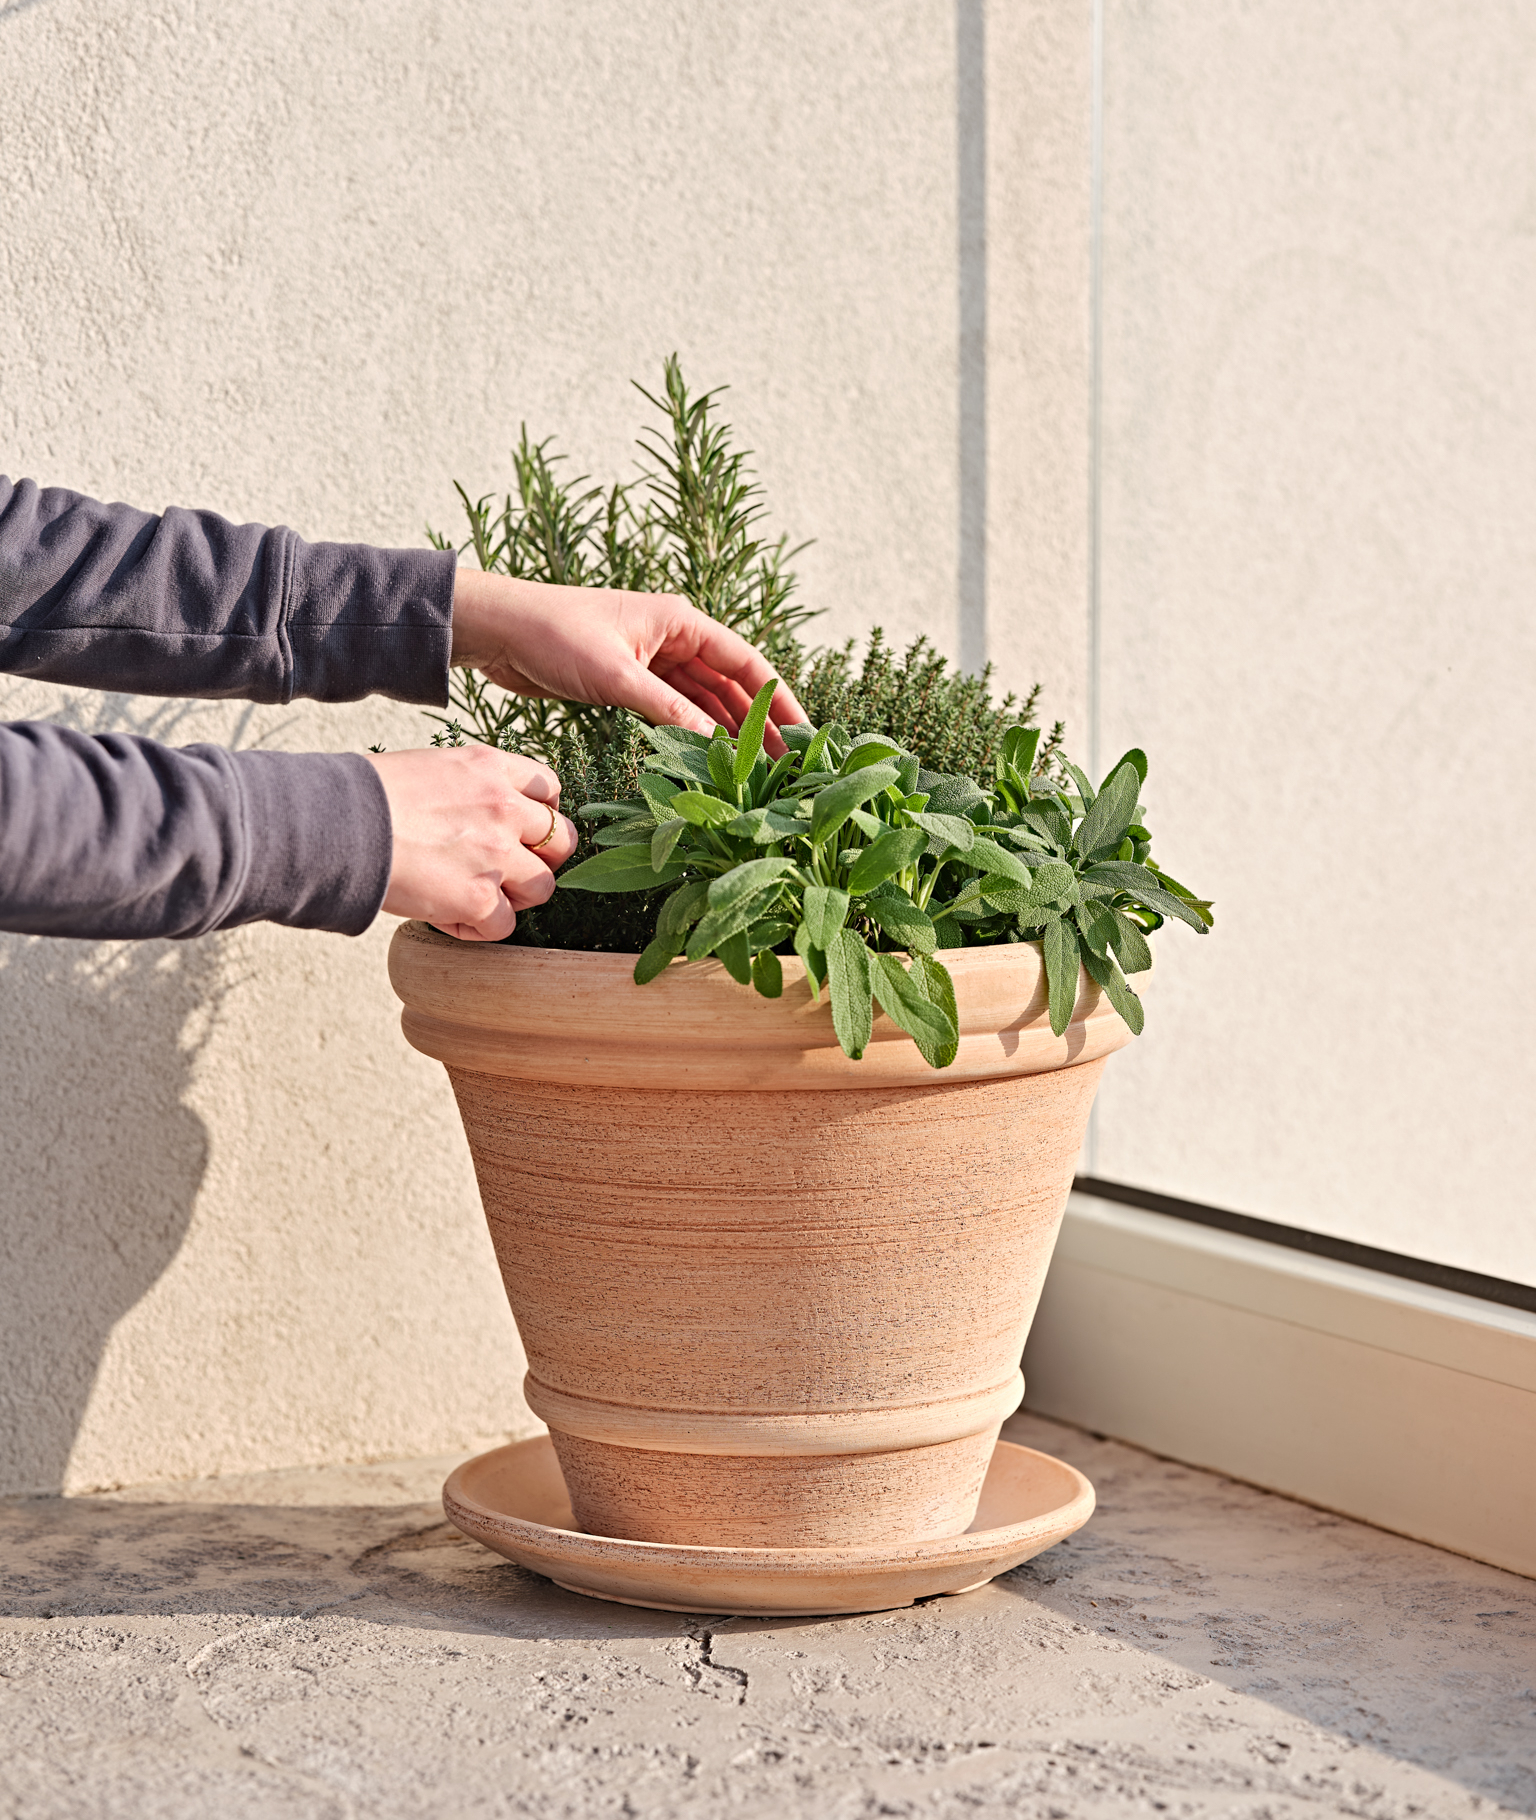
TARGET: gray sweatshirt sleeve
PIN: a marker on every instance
(117, 836)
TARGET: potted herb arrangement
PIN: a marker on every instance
(775, 1106)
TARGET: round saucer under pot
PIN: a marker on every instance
(513, 1500)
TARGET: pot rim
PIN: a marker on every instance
(570, 1016)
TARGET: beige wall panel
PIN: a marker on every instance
(1319, 459)
(308, 264)
(1414, 1448)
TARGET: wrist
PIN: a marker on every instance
(481, 602)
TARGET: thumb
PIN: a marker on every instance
(661, 704)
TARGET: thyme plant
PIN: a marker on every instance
(848, 852)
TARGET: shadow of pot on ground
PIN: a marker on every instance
(101, 1162)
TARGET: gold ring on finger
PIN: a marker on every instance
(553, 818)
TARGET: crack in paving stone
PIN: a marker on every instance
(717, 1679)
(409, 1542)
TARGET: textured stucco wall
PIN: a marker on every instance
(309, 264)
(1319, 457)
(315, 262)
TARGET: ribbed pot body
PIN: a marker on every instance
(844, 1254)
(783, 1317)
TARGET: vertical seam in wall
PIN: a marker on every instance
(971, 230)
(1095, 421)
(1095, 374)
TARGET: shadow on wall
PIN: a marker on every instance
(101, 1160)
(100, 1164)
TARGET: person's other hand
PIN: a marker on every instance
(650, 652)
(477, 837)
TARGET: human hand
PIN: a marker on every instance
(650, 652)
(477, 837)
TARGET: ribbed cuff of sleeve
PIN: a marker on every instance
(318, 840)
(360, 621)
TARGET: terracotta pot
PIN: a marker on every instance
(770, 1297)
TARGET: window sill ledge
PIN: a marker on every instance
(1409, 1406)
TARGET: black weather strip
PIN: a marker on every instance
(1294, 1238)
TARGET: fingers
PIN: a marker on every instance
(664, 706)
(664, 693)
(528, 869)
(726, 701)
(705, 661)
(495, 928)
(476, 836)
(541, 785)
(705, 698)
(541, 830)
(610, 646)
(721, 673)
(725, 689)
(730, 657)
(528, 880)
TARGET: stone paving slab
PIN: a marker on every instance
(318, 1645)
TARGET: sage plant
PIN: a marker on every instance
(850, 854)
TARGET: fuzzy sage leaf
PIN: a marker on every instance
(768, 973)
(664, 840)
(1062, 960)
(890, 853)
(701, 809)
(619, 869)
(848, 978)
(1103, 827)
(1108, 977)
(834, 804)
(933, 979)
(749, 742)
(825, 909)
(906, 1003)
(901, 919)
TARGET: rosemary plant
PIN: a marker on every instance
(689, 525)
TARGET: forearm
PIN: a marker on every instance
(119, 837)
(186, 603)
